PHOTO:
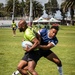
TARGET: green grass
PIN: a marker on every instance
(11, 52)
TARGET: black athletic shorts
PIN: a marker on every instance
(45, 53)
(32, 55)
(14, 28)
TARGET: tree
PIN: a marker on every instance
(51, 7)
(69, 4)
(37, 8)
(23, 8)
(63, 13)
(9, 7)
(1, 5)
(1, 9)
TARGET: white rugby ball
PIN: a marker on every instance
(26, 43)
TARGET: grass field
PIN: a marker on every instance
(11, 52)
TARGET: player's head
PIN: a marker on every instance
(22, 25)
(53, 31)
(55, 27)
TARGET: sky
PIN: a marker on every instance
(42, 1)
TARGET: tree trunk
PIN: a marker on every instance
(72, 15)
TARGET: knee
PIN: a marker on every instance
(30, 70)
(58, 62)
(19, 68)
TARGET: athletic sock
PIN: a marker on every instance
(17, 72)
(60, 70)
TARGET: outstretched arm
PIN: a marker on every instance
(46, 47)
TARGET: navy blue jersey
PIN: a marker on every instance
(45, 39)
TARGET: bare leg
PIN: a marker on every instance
(53, 57)
(22, 67)
(14, 32)
(31, 67)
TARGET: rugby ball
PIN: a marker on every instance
(26, 43)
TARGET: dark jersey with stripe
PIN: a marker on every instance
(45, 39)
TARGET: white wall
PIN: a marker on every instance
(7, 22)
